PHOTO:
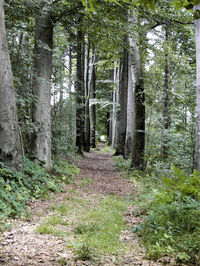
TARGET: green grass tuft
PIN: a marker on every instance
(104, 225)
(55, 220)
(50, 230)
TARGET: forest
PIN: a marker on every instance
(82, 78)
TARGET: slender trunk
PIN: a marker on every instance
(110, 122)
(123, 88)
(83, 94)
(93, 96)
(197, 147)
(138, 87)
(87, 99)
(70, 96)
(79, 93)
(107, 124)
(166, 117)
(10, 142)
(42, 87)
(130, 130)
(115, 106)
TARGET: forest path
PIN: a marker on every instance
(48, 237)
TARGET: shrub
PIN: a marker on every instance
(65, 171)
(173, 225)
(17, 188)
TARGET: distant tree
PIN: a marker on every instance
(87, 95)
(197, 35)
(123, 88)
(80, 104)
(92, 85)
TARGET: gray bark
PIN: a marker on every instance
(10, 145)
(92, 89)
(197, 147)
(80, 105)
(71, 127)
(42, 88)
(87, 99)
(130, 130)
(123, 88)
(137, 78)
(166, 115)
(115, 106)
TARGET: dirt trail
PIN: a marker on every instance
(97, 178)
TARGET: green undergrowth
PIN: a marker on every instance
(170, 208)
(95, 229)
(107, 149)
(100, 228)
(121, 164)
(17, 188)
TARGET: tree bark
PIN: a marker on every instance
(42, 87)
(71, 127)
(93, 96)
(130, 130)
(166, 116)
(87, 98)
(138, 87)
(79, 93)
(10, 145)
(115, 105)
(197, 147)
(123, 89)
(110, 122)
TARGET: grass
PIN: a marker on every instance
(107, 149)
(85, 181)
(55, 220)
(62, 209)
(96, 231)
(50, 230)
(101, 227)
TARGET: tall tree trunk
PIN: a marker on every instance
(139, 118)
(166, 116)
(197, 147)
(93, 96)
(110, 122)
(79, 93)
(70, 96)
(123, 89)
(115, 105)
(10, 145)
(130, 130)
(87, 98)
(42, 87)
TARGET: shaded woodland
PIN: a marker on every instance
(73, 71)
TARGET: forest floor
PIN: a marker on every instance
(52, 236)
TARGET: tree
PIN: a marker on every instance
(80, 104)
(92, 86)
(87, 97)
(115, 104)
(42, 86)
(123, 88)
(10, 143)
(197, 35)
(138, 87)
(166, 117)
(130, 130)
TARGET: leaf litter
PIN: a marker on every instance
(98, 178)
